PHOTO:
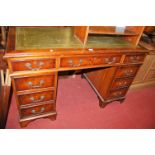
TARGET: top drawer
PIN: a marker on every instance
(127, 71)
(82, 61)
(134, 58)
(34, 64)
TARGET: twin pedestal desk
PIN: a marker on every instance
(35, 55)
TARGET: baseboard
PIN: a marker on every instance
(143, 85)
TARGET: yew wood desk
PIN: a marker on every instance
(36, 55)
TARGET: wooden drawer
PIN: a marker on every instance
(89, 61)
(117, 93)
(34, 64)
(120, 83)
(35, 98)
(126, 71)
(33, 82)
(37, 110)
(136, 58)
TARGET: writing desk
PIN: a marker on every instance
(36, 55)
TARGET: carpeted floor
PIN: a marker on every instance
(78, 108)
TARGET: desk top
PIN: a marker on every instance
(44, 41)
(46, 38)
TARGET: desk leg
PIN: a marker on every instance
(33, 110)
(100, 81)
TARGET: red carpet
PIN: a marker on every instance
(77, 107)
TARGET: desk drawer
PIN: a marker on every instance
(138, 58)
(35, 98)
(34, 64)
(126, 71)
(33, 82)
(120, 83)
(89, 61)
(117, 93)
(37, 110)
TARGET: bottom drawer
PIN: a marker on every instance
(118, 93)
(37, 110)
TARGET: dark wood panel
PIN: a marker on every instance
(101, 80)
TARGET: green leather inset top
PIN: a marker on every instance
(55, 37)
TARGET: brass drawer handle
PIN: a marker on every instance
(41, 83)
(122, 83)
(33, 111)
(41, 110)
(29, 66)
(40, 100)
(117, 93)
(134, 59)
(128, 72)
(90, 49)
(71, 62)
(110, 61)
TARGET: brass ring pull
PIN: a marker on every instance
(128, 72)
(41, 110)
(30, 84)
(33, 111)
(110, 61)
(134, 59)
(120, 83)
(117, 93)
(29, 66)
(71, 62)
(40, 100)
(90, 49)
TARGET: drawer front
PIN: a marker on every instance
(33, 82)
(36, 97)
(107, 59)
(32, 65)
(120, 83)
(117, 93)
(37, 110)
(127, 71)
(139, 58)
(89, 61)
